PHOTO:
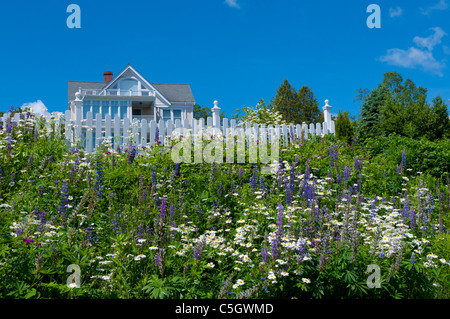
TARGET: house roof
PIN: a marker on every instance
(175, 92)
(172, 92)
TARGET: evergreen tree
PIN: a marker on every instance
(344, 128)
(286, 102)
(308, 106)
(368, 124)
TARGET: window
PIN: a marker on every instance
(105, 108)
(176, 115)
(95, 108)
(123, 109)
(136, 112)
(128, 84)
(86, 107)
(171, 114)
(114, 109)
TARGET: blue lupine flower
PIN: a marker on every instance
(346, 173)
(98, 186)
(177, 169)
(403, 164)
(154, 179)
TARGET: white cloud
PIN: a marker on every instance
(414, 58)
(395, 12)
(432, 40)
(36, 107)
(440, 6)
(232, 3)
(418, 58)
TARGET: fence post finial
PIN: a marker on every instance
(327, 114)
(215, 114)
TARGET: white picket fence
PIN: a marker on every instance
(89, 133)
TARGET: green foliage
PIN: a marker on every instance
(401, 107)
(204, 112)
(261, 114)
(297, 107)
(344, 127)
(209, 244)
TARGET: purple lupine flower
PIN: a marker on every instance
(301, 250)
(19, 231)
(331, 150)
(131, 154)
(254, 178)
(406, 207)
(346, 173)
(157, 260)
(98, 186)
(28, 240)
(354, 140)
(154, 179)
(262, 184)
(338, 179)
(399, 170)
(240, 172)
(413, 259)
(199, 249)
(163, 208)
(280, 219)
(64, 198)
(157, 134)
(140, 232)
(264, 254)
(232, 186)
(89, 235)
(50, 159)
(403, 164)
(274, 248)
(358, 164)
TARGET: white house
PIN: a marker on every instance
(129, 94)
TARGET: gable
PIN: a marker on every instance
(166, 93)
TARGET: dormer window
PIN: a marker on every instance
(129, 84)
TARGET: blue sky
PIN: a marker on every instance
(233, 51)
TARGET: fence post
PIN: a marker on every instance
(327, 114)
(215, 115)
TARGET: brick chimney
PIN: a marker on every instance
(108, 76)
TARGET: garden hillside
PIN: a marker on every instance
(139, 225)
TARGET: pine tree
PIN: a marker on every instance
(286, 103)
(344, 128)
(308, 106)
(368, 124)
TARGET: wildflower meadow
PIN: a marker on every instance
(128, 222)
